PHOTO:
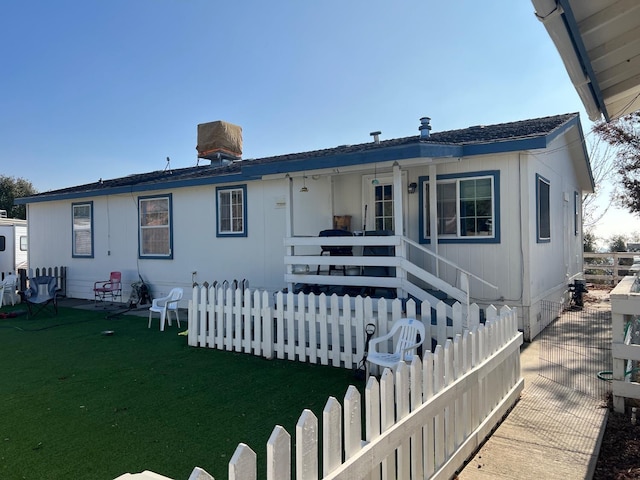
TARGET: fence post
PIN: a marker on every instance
(307, 446)
(332, 435)
(279, 455)
(266, 322)
(243, 464)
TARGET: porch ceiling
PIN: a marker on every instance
(599, 43)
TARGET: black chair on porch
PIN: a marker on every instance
(41, 294)
(379, 270)
(335, 251)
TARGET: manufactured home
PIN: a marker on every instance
(13, 245)
(489, 214)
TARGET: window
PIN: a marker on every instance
(3, 243)
(383, 207)
(82, 230)
(466, 208)
(155, 236)
(23, 243)
(232, 211)
(543, 207)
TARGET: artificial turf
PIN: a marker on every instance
(75, 403)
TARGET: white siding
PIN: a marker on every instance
(524, 270)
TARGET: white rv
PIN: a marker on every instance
(13, 244)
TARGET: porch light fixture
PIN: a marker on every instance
(412, 187)
(304, 188)
(375, 180)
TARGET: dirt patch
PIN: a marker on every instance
(619, 457)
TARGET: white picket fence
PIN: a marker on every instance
(307, 328)
(422, 422)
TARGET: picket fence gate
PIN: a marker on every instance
(307, 328)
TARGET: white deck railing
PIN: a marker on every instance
(317, 329)
(303, 267)
(625, 309)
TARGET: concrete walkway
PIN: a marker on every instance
(553, 432)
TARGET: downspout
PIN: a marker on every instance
(289, 251)
(525, 263)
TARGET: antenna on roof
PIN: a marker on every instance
(168, 165)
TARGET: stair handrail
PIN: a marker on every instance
(447, 261)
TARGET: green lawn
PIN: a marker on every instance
(75, 404)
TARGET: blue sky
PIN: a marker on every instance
(95, 90)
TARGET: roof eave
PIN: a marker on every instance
(560, 23)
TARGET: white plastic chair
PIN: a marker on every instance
(10, 290)
(405, 334)
(165, 305)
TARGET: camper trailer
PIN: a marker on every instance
(13, 245)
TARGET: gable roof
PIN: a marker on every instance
(599, 43)
(476, 140)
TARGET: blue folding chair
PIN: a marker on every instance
(41, 295)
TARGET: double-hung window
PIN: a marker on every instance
(232, 211)
(155, 230)
(543, 209)
(82, 230)
(467, 207)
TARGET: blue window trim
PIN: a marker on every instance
(539, 239)
(463, 240)
(245, 226)
(157, 257)
(73, 245)
(576, 213)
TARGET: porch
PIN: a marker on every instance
(393, 258)
(388, 266)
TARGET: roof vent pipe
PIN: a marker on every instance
(425, 127)
(376, 137)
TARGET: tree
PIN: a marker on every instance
(602, 160)
(589, 241)
(10, 189)
(618, 243)
(624, 135)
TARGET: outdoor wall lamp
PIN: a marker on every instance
(412, 187)
(304, 188)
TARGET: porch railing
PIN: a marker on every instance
(409, 278)
(625, 318)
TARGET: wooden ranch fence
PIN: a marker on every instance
(424, 421)
(608, 268)
(307, 328)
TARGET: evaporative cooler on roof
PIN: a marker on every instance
(218, 140)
